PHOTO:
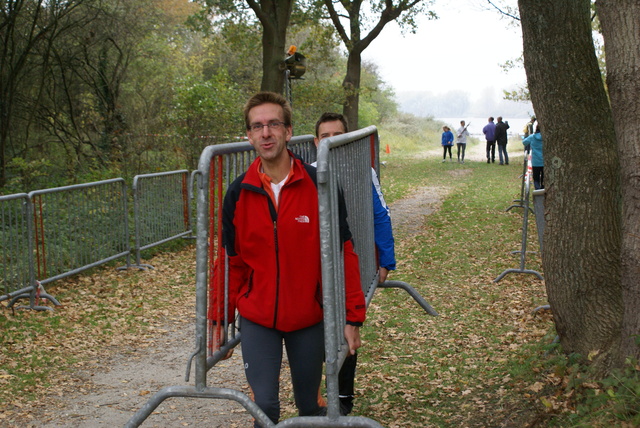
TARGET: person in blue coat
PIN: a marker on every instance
(330, 125)
(489, 132)
(447, 143)
(534, 141)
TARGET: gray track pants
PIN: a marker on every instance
(262, 355)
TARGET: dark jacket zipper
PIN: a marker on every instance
(275, 309)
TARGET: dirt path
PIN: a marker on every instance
(108, 391)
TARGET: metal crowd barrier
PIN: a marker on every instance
(16, 267)
(55, 233)
(525, 201)
(79, 227)
(161, 209)
(538, 209)
(343, 162)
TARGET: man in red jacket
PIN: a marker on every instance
(272, 238)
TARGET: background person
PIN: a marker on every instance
(447, 143)
(461, 142)
(275, 273)
(529, 127)
(534, 141)
(502, 139)
(489, 132)
(330, 125)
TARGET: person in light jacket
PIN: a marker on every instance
(534, 141)
(461, 141)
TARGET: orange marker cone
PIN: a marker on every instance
(388, 150)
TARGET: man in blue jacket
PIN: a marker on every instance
(489, 132)
(330, 125)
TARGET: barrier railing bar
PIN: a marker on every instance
(525, 227)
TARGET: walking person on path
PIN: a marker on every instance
(461, 141)
(447, 143)
(502, 139)
(489, 132)
(271, 236)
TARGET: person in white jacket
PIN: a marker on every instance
(461, 140)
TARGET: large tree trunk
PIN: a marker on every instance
(620, 21)
(274, 15)
(351, 86)
(582, 209)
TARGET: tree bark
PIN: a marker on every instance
(621, 32)
(582, 208)
(274, 15)
(351, 86)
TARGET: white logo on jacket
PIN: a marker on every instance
(302, 219)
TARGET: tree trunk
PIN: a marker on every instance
(621, 31)
(274, 16)
(351, 86)
(273, 49)
(582, 208)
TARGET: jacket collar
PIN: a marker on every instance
(252, 177)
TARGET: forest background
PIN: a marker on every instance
(103, 89)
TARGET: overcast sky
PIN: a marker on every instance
(463, 50)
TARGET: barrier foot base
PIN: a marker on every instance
(27, 295)
(541, 308)
(326, 422)
(412, 292)
(141, 266)
(519, 206)
(508, 271)
(190, 392)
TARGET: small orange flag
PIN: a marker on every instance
(388, 150)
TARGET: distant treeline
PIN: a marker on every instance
(460, 104)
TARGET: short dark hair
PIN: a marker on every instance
(268, 98)
(330, 117)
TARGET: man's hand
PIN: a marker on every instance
(382, 274)
(352, 334)
(218, 338)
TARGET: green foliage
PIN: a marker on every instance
(27, 175)
(612, 400)
(142, 86)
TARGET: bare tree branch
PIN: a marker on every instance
(505, 13)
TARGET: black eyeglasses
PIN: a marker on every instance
(257, 127)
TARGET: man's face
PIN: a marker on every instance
(269, 142)
(329, 129)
